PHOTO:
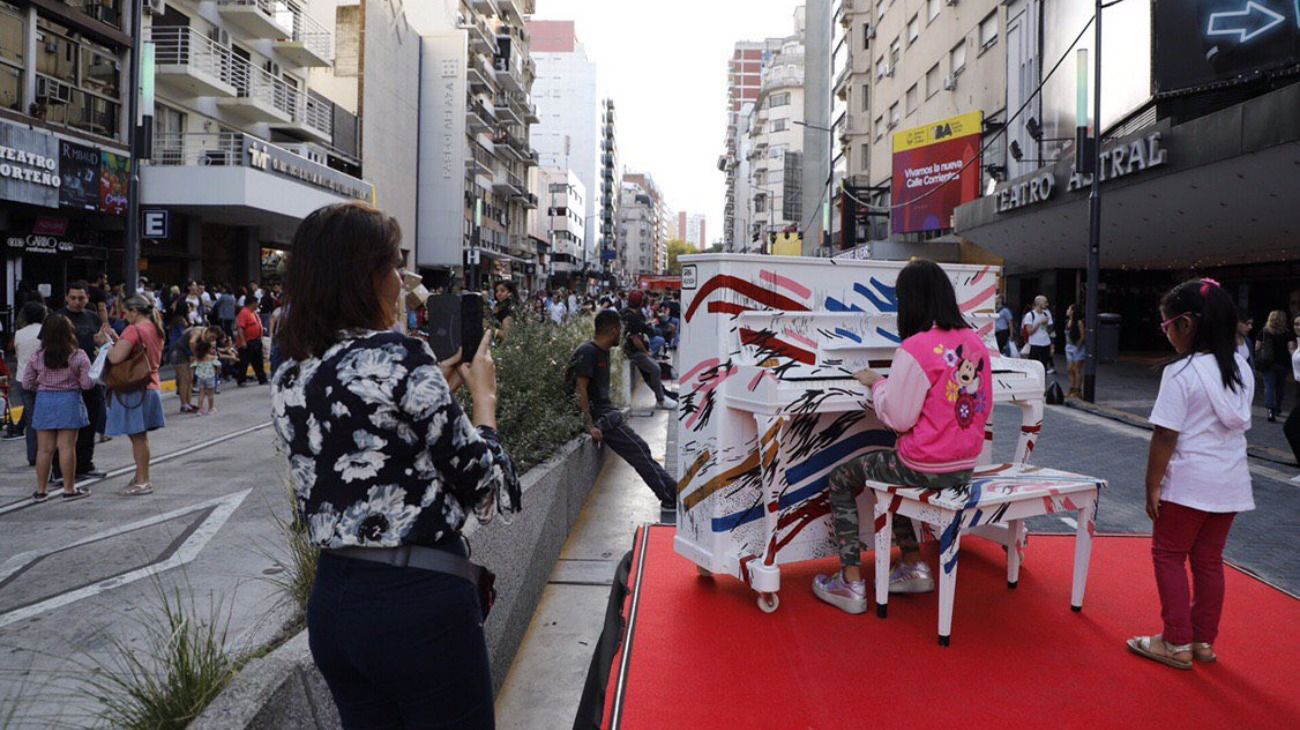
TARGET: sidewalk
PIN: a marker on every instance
(1130, 387)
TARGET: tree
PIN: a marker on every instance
(677, 247)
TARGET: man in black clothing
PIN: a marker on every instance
(87, 324)
(636, 346)
(590, 365)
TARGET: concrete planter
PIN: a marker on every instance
(284, 690)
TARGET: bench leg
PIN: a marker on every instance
(884, 543)
(1015, 551)
(1083, 551)
(948, 584)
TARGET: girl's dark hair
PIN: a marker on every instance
(202, 348)
(510, 286)
(330, 282)
(1215, 317)
(58, 341)
(32, 313)
(926, 299)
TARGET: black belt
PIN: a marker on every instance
(416, 556)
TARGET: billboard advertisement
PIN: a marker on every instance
(1201, 42)
(936, 169)
(79, 173)
(115, 171)
(442, 152)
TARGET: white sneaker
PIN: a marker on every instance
(1295, 480)
(907, 578)
(849, 597)
(667, 404)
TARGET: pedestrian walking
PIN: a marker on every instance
(385, 468)
(58, 373)
(180, 355)
(87, 324)
(1271, 355)
(225, 310)
(135, 414)
(637, 337)
(1002, 327)
(27, 340)
(505, 296)
(1245, 345)
(938, 397)
(588, 379)
(1076, 349)
(1197, 476)
(1292, 426)
(248, 339)
(1036, 332)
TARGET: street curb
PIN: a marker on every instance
(284, 689)
(1276, 456)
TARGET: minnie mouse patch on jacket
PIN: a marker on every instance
(963, 388)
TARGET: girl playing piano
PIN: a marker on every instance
(938, 397)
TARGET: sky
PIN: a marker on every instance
(664, 62)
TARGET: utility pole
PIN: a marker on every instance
(1094, 222)
(131, 254)
(817, 115)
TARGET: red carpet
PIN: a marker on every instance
(704, 656)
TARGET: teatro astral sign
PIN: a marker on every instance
(1127, 156)
(29, 166)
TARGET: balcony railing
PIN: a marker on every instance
(184, 46)
(260, 18)
(201, 149)
(315, 37)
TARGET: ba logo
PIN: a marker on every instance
(942, 131)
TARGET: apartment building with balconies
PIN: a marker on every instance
(611, 176)
(744, 80)
(638, 230)
(565, 200)
(475, 151)
(64, 158)
(913, 63)
(776, 147)
(655, 246)
(242, 147)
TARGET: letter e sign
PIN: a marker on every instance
(155, 223)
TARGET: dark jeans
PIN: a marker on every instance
(399, 647)
(251, 354)
(1043, 354)
(1291, 429)
(650, 371)
(1003, 337)
(634, 450)
(27, 399)
(94, 400)
(1274, 378)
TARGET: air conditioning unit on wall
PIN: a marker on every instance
(949, 82)
(50, 91)
(155, 7)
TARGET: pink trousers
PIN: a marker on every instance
(1183, 533)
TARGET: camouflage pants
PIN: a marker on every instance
(848, 481)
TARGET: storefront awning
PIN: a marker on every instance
(1219, 189)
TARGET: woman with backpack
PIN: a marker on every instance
(136, 409)
(1273, 360)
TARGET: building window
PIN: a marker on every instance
(78, 82)
(866, 98)
(779, 125)
(989, 30)
(777, 100)
(957, 58)
(880, 127)
(866, 157)
(12, 24)
(912, 98)
(893, 115)
(932, 10)
(913, 29)
(866, 36)
(895, 52)
(933, 81)
(880, 68)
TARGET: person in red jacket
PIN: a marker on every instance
(248, 338)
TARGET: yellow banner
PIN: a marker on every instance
(941, 131)
(788, 244)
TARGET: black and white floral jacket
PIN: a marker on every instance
(380, 453)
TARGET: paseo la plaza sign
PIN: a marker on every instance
(1118, 159)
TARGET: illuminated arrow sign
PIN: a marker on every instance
(1239, 22)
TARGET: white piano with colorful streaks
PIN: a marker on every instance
(769, 406)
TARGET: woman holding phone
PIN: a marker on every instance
(385, 468)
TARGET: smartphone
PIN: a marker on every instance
(455, 325)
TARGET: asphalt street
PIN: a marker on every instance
(76, 577)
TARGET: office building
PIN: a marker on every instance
(565, 200)
(744, 79)
(638, 226)
(64, 74)
(570, 131)
(611, 175)
(776, 137)
(658, 223)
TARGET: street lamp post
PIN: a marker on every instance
(1094, 223)
(131, 252)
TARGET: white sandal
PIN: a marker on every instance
(137, 490)
(1142, 646)
(1203, 651)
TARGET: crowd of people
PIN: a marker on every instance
(207, 336)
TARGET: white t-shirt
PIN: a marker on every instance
(1042, 337)
(1208, 470)
(26, 342)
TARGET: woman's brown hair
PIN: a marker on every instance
(329, 286)
(58, 341)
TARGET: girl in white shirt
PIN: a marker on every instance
(1197, 476)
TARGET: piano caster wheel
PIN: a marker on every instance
(703, 571)
(1012, 583)
(768, 602)
(1076, 609)
(943, 640)
(882, 610)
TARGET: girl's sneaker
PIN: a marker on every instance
(848, 596)
(911, 578)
